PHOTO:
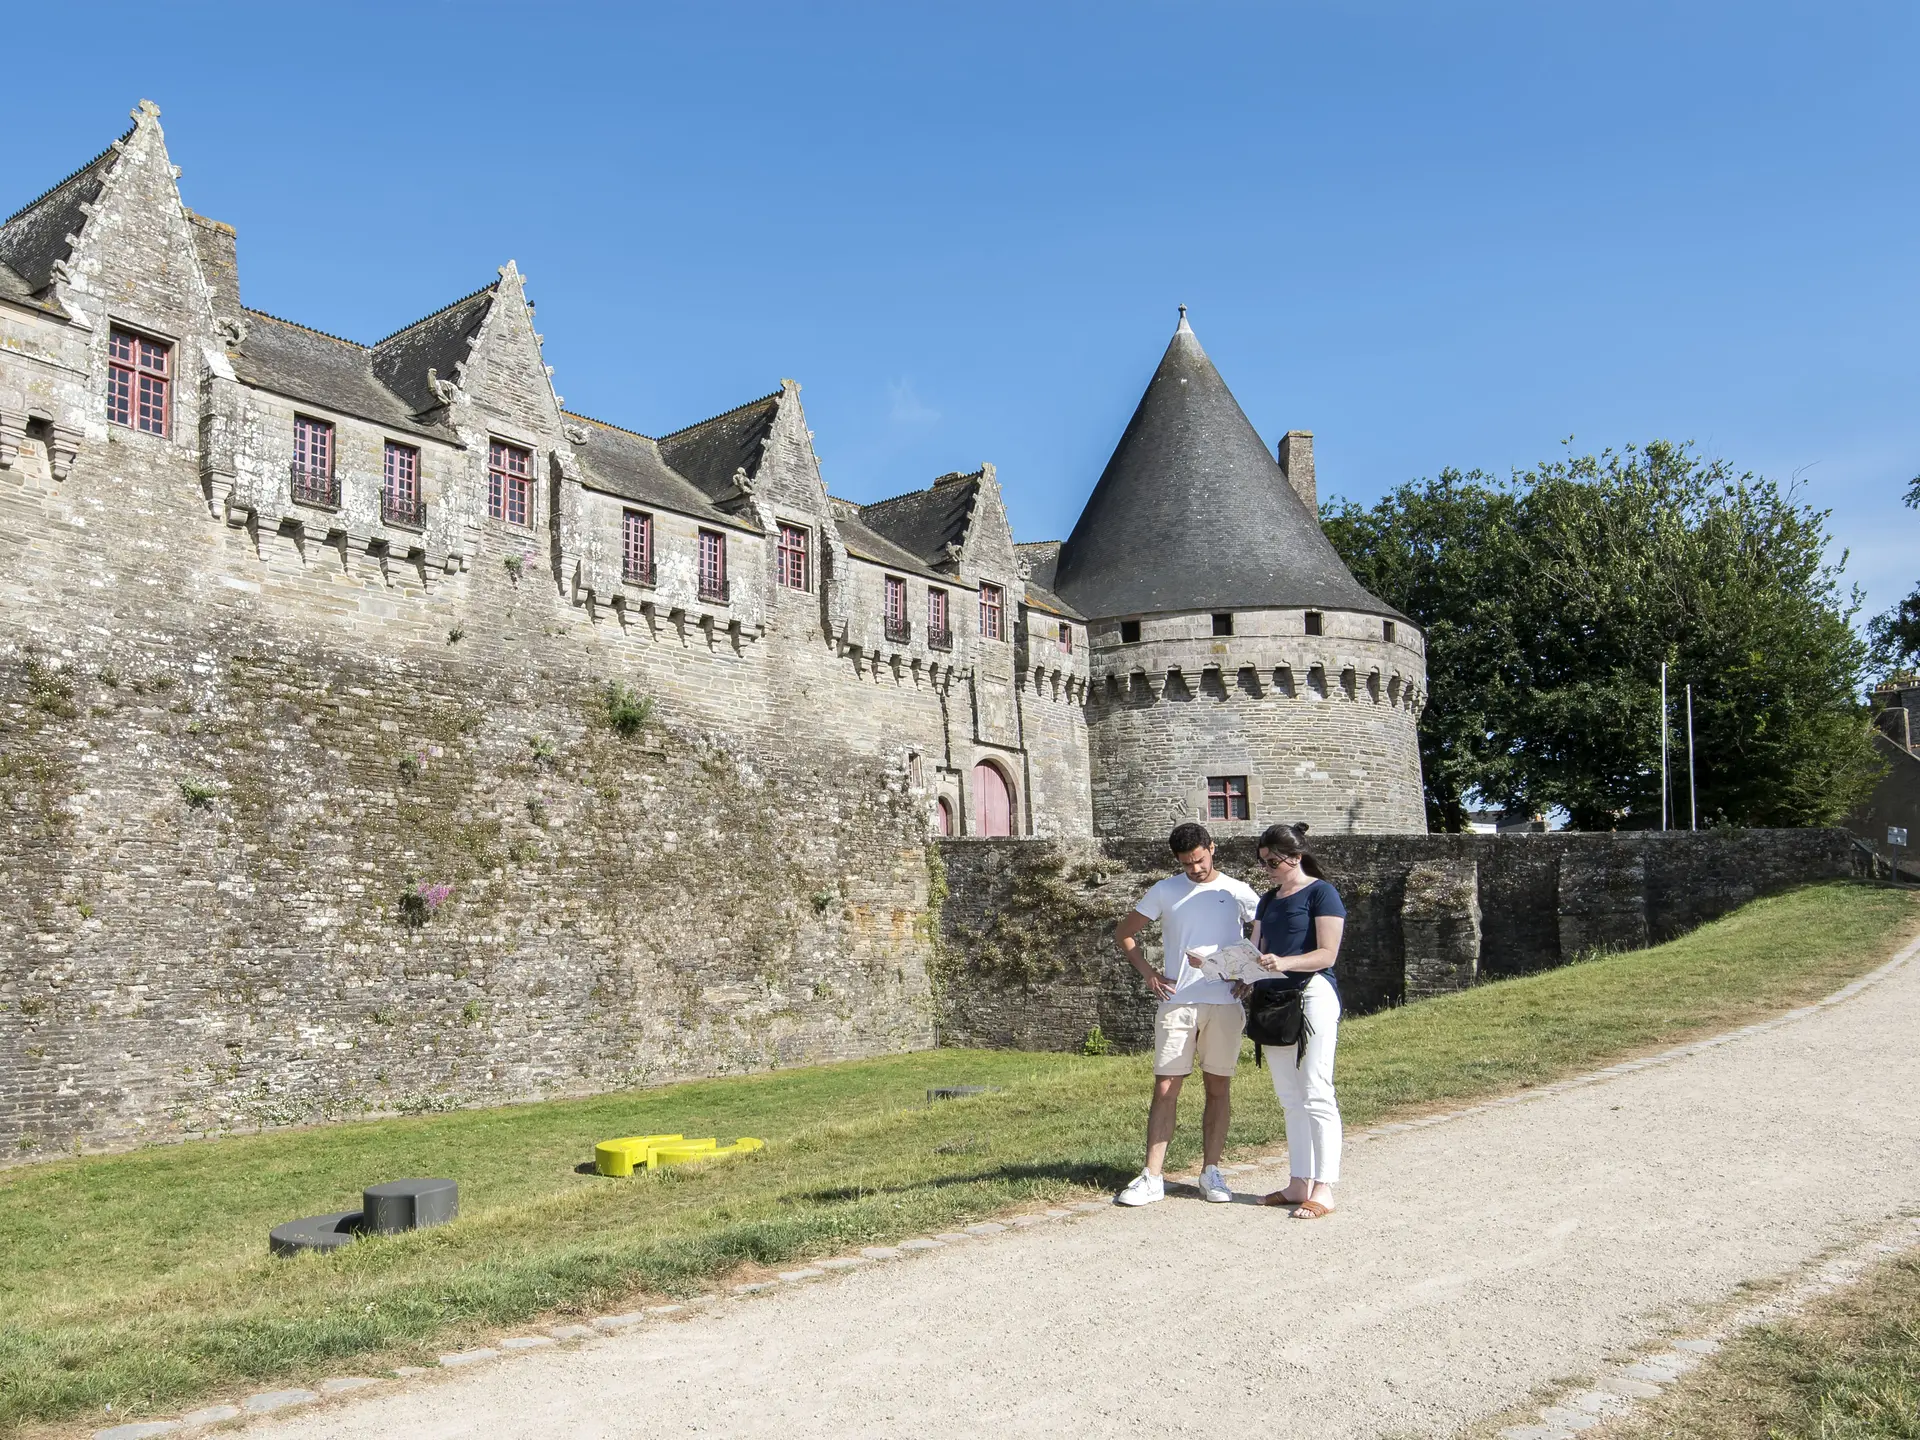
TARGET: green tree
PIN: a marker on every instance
(1555, 596)
(1896, 633)
(1443, 552)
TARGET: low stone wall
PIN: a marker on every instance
(1028, 960)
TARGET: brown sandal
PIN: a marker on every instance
(1278, 1197)
(1312, 1210)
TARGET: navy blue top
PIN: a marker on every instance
(1286, 928)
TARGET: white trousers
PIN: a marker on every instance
(1306, 1092)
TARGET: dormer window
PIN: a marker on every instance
(510, 484)
(991, 608)
(1316, 624)
(791, 558)
(139, 382)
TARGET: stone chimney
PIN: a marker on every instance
(1296, 463)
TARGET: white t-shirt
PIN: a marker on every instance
(1193, 916)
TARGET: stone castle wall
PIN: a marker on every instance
(1324, 726)
(1028, 959)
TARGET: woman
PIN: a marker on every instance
(1297, 929)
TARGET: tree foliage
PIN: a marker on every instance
(1896, 633)
(1549, 601)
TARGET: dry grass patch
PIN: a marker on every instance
(1848, 1368)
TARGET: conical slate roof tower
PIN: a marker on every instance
(1193, 512)
(1239, 673)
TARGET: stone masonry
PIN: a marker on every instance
(1028, 959)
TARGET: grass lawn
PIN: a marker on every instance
(1848, 1368)
(143, 1279)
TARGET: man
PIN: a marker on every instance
(1198, 1019)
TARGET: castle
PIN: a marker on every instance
(296, 624)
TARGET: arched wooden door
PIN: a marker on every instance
(942, 817)
(992, 805)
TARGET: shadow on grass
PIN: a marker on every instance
(1092, 1174)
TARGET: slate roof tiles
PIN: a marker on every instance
(1193, 512)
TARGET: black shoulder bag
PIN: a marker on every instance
(1276, 1017)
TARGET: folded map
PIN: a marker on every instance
(1238, 961)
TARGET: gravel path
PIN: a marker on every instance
(1474, 1260)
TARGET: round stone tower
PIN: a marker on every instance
(1240, 674)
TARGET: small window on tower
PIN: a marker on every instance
(1386, 631)
(1227, 798)
(1315, 626)
(1129, 632)
(1223, 624)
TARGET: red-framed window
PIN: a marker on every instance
(791, 559)
(636, 547)
(400, 480)
(991, 608)
(139, 382)
(313, 447)
(894, 607)
(1227, 798)
(510, 483)
(939, 632)
(1066, 638)
(713, 565)
(400, 500)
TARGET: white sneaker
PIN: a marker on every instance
(1213, 1186)
(1144, 1189)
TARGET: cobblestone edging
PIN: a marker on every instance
(1612, 1395)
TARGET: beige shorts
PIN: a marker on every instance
(1211, 1033)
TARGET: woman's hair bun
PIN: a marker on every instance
(1300, 828)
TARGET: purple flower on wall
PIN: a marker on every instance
(417, 905)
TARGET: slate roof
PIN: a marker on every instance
(1041, 557)
(1193, 513)
(323, 370)
(437, 343)
(1041, 598)
(925, 522)
(869, 544)
(13, 288)
(709, 453)
(623, 463)
(34, 238)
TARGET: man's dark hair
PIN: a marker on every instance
(1190, 836)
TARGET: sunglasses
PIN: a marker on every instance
(1275, 862)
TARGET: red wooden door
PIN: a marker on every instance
(992, 805)
(942, 817)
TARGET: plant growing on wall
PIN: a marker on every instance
(544, 752)
(197, 794)
(417, 906)
(516, 566)
(627, 712)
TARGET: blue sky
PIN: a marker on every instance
(1432, 234)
